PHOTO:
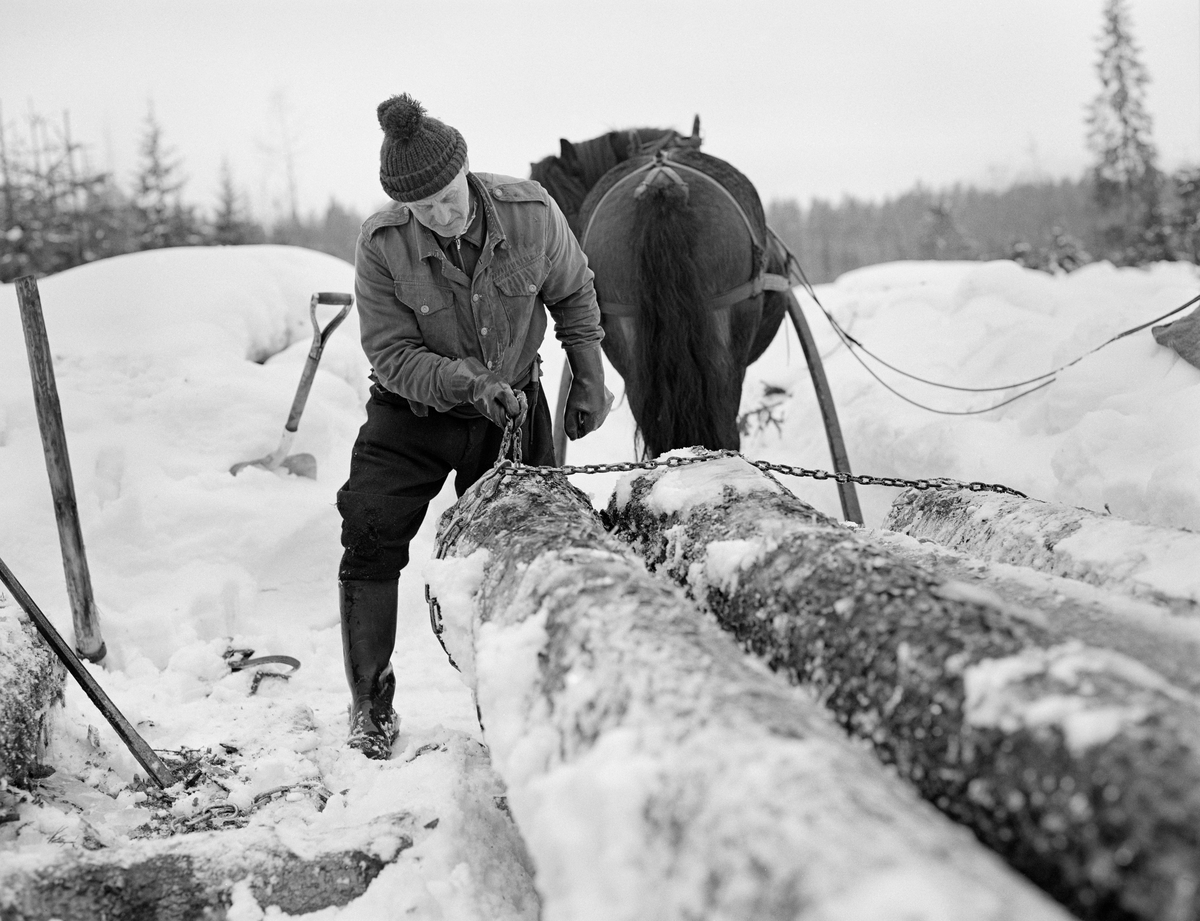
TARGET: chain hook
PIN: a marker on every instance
(510, 443)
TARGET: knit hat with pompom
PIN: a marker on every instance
(420, 155)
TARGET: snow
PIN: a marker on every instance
(157, 360)
(1050, 687)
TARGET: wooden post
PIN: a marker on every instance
(560, 415)
(833, 431)
(88, 641)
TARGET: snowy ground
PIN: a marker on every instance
(157, 363)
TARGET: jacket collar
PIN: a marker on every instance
(427, 244)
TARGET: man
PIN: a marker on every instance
(452, 292)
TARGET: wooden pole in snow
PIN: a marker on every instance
(1079, 765)
(655, 770)
(851, 510)
(86, 619)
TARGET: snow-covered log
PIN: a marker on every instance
(31, 681)
(1138, 559)
(1166, 642)
(1081, 766)
(653, 769)
(195, 876)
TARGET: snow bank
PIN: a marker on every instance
(1110, 431)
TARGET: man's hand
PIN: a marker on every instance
(490, 395)
(588, 400)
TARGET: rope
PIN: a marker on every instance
(1045, 379)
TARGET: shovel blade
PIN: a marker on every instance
(301, 465)
(304, 465)
(295, 464)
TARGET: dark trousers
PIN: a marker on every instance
(399, 465)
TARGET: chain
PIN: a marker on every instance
(516, 467)
(511, 443)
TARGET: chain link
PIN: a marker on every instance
(516, 467)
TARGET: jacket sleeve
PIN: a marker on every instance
(568, 291)
(392, 339)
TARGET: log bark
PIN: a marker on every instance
(31, 682)
(186, 879)
(653, 769)
(1080, 766)
(1139, 560)
(1070, 609)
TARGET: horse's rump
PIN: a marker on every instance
(664, 252)
(726, 176)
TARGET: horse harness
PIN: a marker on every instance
(664, 169)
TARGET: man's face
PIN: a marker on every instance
(446, 212)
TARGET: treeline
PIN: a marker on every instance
(1125, 210)
(58, 211)
(1054, 225)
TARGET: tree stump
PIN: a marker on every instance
(1080, 766)
(31, 682)
(653, 769)
(186, 878)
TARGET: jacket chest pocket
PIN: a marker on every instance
(433, 307)
(518, 289)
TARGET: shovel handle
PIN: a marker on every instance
(320, 337)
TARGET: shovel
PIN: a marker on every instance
(303, 464)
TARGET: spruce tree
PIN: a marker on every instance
(231, 223)
(161, 217)
(1127, 185)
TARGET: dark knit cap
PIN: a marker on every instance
(420, 155)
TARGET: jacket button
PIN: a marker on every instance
(475, 298)
(424, 308)
(483, 331)
(533, 289)
(489, 365)
(499, 193)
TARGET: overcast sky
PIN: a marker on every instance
(807, 97)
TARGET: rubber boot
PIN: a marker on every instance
(368, 638)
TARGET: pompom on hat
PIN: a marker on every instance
(420, 155)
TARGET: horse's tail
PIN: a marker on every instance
(681, 365)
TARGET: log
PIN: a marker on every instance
(1139, 560)
(1079, 765)
(31, 682)
(1070, 609)
(655, 771)
(186, 878)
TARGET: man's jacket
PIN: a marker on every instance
(418, 323)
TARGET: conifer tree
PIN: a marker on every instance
(1127, 185)
(232, 224)
(161, 217)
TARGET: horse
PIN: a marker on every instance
(690, 281)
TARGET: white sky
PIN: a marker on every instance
(807, 97)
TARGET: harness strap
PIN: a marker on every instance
(748, 289)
